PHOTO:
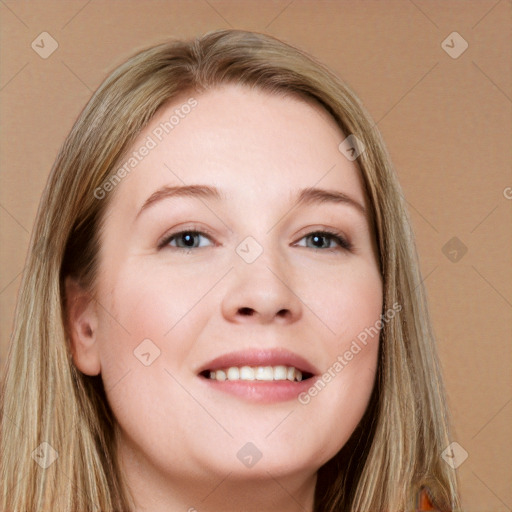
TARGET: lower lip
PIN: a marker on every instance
(261, 391)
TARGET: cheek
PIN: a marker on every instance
(351, 306)
(145, 338)
(155, 292)
(335, 404)
(149, 301)
(346, 302)
(140, 314)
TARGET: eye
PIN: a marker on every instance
(325, 240)
(186, 240)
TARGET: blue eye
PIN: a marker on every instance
(325, 240)
(186, 240)
(191, 239)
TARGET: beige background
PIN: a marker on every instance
(446, 121)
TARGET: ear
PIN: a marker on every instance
(82, 327)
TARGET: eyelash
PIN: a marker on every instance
(342, 242)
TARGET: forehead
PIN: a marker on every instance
(249, 143)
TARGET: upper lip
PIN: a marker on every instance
(260, 357)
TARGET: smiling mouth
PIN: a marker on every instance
(257, 373)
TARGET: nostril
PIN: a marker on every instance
(246, 311)
(283, 313)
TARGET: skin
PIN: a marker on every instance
(178, 438)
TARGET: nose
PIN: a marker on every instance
(261, 293)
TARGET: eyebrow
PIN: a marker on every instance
(194, 191)
(313, 195)
(307, 196)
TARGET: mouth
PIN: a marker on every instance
(259, 375)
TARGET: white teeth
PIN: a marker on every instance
(233, 373)
(280, 372)
(246, 373)
(264, 373)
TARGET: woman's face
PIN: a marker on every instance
(214, 257)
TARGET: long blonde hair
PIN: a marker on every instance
(397, 446)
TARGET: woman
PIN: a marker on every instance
(224, 310)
